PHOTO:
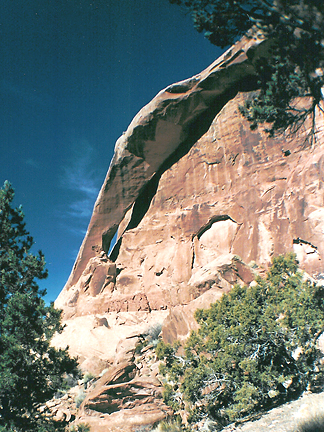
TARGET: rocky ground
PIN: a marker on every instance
(289, 417)
(286, 418)
(126, 396)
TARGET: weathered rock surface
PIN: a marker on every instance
(61, 408)
(99, 346)
(127, 396)
(172, 121)
(194, 194)
(182, 199)
(235, 192)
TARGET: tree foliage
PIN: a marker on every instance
(256, 347)
(31, 370)
(290, 77)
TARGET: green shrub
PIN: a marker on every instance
(70, 380)
(244, 356)
(170, 426)
(150, 337)
(80, 398)
(81, 427)
(153, 333)
(88, 376)
(140, 345)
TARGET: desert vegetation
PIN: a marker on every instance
(292, 66)
(256, 348)
(31, 370)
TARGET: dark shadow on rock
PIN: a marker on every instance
(194, 132)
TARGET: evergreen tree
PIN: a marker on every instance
(31, 370)
(256, 347)
(294, 65)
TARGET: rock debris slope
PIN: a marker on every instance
(194, 195)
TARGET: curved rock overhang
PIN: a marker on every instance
(159, 135)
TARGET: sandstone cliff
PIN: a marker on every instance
(194, 194)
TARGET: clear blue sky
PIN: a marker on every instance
(73, 74)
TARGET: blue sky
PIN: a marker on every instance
(73, 74)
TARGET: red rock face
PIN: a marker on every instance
(166, 128)
(234, 192)
(190, 182)
(194, 194)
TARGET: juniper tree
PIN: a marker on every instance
(294, 65)
(31, 370)
(255, 348)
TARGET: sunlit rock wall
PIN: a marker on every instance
(234, 192)
(195, 196)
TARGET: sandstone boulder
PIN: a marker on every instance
(126, 397)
